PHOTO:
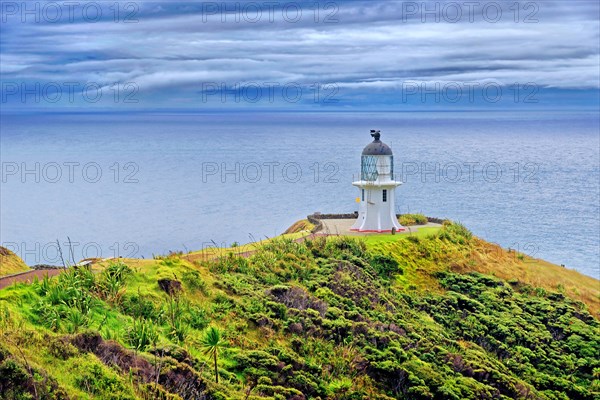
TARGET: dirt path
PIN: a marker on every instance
(28, 277)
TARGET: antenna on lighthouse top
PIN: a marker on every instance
(376, 134)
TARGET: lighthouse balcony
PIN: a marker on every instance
(377, 184)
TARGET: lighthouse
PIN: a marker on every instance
(377, 211)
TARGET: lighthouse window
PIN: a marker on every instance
(384, 195)
(363, 194)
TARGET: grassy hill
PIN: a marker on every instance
(442, 315)
(10, 263)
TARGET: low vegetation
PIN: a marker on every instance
(438, 316)
(300, 226)
(10, 263)
(412, 219)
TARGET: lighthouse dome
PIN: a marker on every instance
(377, 147)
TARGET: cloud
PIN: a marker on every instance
(369, 46)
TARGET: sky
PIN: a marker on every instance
(305, 55)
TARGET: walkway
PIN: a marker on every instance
(342, 227)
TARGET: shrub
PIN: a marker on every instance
(14, 380)
(23, 382)
(48, 315)
(197, 317)
(296, 297)
(194, 281)
(385, 265)
(141, 334)
(283, 246)
(112, 280)
(76, 320)
(339, 387)
(97, 380)
(139, 306)
(257, 364)
(221, 305)
(73, 288)
(338, 245)
(171, 260)
(61, 348)
(455, 233)
(412, 219)
(228, 263)
(178, 327)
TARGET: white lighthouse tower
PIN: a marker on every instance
(377, 211)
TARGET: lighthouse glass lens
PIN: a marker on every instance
(369, 168)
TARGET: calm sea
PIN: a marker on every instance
(138, 185)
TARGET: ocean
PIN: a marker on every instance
(145, 184)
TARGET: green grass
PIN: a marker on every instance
(389, 238)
